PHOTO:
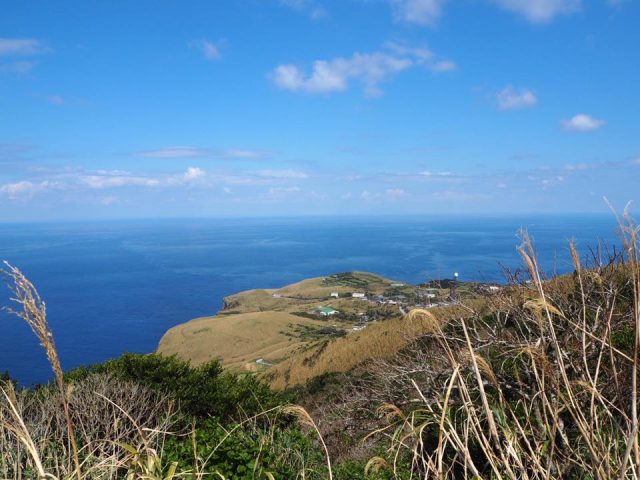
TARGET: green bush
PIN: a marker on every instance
(203, 391)
(247, 453)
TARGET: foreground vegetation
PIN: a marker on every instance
(539, 382)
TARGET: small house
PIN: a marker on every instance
(335, 294)
(326, 311)
(357, 295)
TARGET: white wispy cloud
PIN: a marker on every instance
(395, 193)
(243, 153)
(444, 66)
(367, 195)
(370, 69)
(174, 152)
(104, 179)
(197, 152)
(511, 98)
(458, 196)
(55, 99)
(540, 11)
(20, 67)
(314, 9)
(21, 47)
(25, 189)
(582, 123)
(290, 174)
(421, 12)
(13, 48)
(210, 50)
(282, 191)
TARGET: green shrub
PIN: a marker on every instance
(247, 453)
(202, 391)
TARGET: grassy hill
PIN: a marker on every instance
(271, 325)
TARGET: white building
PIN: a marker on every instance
(335, 294)
(327, 311)
(357, 295)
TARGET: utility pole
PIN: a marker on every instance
(454, 289)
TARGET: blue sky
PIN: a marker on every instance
(293, 107)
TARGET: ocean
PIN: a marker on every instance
(117, 286)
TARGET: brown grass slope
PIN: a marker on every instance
(381, 340)
(266, 323)
(237, 340)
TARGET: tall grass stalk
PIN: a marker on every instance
(32, 310)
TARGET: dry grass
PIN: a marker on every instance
(255, 324)
(237, 340)
(380, 340)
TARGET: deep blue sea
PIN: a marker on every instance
(114, 287)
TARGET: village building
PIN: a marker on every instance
(326, 311)
(357, 295)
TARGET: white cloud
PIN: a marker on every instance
(635, 161)
(510, 98)
(108, 200)
(104, 180)
(457, 196)
(210, 50)
(20, 47)
(366, 195)
(421, 12)
(24, 189)
(421, 54)
(21, 67)
(282, 174)
(540, 11)
(396, 193)
(371, 69)
(444, 66)
(193, 173)
(438, 175)
(174, 152)
(582, 123)
(313, 8)
(56, 100)
(196, 152)
(243, 153)
(546, 181)
(281, 191)
(574, 167)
